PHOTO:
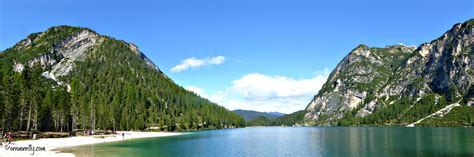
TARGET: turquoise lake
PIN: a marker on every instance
(296, 141)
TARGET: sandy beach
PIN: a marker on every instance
(45, 147)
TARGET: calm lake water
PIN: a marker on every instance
(298, 141)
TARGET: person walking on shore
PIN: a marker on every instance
(9, 138)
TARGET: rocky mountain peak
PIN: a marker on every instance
(368, 77)
(443, 63)
(71, 78)
(58, 49)
(352, 80)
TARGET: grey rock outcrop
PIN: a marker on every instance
(358, 76)
(368, 79)
(60, 59)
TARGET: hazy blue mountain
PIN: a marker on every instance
(250, 115)
(276, 113)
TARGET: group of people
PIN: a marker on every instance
(89, 132)
(6, 137)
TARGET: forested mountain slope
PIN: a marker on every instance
(292, 119)
(73, 78)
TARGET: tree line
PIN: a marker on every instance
(113, 89)
(295, 118)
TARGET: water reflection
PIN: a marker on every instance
(307, 141)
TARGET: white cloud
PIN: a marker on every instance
(258, 86)
(195, 63)
(197, 90)
(267, 93)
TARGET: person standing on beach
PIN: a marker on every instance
(123, 135)
(9, 138)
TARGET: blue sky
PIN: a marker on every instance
(261, 55)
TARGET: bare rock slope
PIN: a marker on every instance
(370, 79)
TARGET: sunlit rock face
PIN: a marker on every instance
(360, 74)
(367, 77)
(61, 58)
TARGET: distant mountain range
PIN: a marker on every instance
(293, 119)
(276, 113)
(250, 115)
(429, 85)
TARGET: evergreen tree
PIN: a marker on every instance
(113, 87)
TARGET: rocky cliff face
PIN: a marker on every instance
(357, 77)
(369, 79)
(442, 66)
(60, 58)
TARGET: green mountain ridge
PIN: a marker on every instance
(293, 119)
(69, 78)
(250, 115)
(431, 85)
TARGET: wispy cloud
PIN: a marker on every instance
(193, 62)
(197, 90)
(262, 92)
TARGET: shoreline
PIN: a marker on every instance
(49, 146)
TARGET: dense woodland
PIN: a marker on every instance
(296, 118)
(113, 89)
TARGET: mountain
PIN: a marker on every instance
(69, 78)
(402, 85)
(278, 114)
(250, 115)
(293, 119)
(259, 121)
